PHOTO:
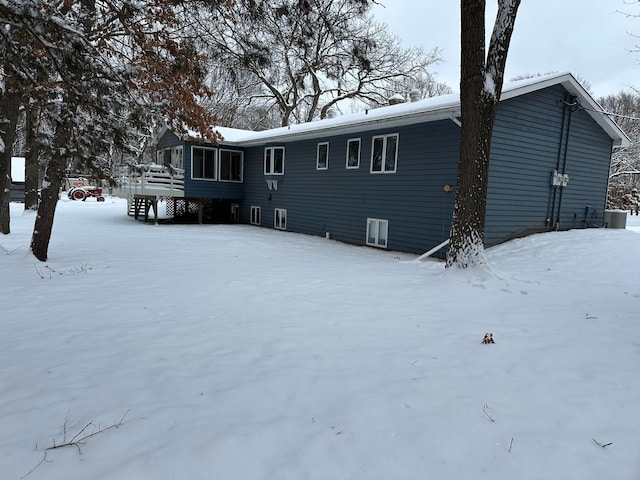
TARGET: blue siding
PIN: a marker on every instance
(205, 189)
(534, 134)
(529, 142)
(339, 200)
(588, 162)
(209, 188)
(169, 139)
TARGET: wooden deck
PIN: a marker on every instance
(144, 185)
(151, 181)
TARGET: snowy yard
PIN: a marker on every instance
(239, 353)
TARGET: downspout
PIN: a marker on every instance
(570, 106)
(554, 188)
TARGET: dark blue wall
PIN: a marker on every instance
(209, 188)
(339, 200)
(532, 133)
(202, 188)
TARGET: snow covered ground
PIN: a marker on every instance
(240, 353)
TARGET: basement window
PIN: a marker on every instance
(255, 215)
(235, 212)
(280, 219)
(377, 232)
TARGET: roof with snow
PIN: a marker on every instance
(426, 110)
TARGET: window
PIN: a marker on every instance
(231, 166)
(280, 219)
(353, 153)
(377, 231)
(203, 163)
(255, 215)
(384, 154)
(322, 162)
(235, 212)
(170, 156)
(177, 158)
(160, 157)
(274, 161)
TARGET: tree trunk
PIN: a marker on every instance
(32, 158)
(9, 112)
(50, 192)
(480, 89)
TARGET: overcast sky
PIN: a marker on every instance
(586, 37)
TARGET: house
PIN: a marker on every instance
(386, 177)
(16, 194)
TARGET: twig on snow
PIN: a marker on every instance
(484, 409)
(603, 445)
(510, 444)
(77, 440)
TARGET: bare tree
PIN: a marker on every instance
(624, 108)
(308, 56)
(481, 79)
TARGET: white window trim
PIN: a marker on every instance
(384, 153)
(272, 164)
(215, 164)
(255, 212)
(377, 222)
(241, 165)
(282, 216)
(359, 153)
(326, 165)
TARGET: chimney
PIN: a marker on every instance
(396, 99)
(415, 95)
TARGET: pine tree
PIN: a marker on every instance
(100, 71)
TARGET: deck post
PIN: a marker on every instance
(200, 206)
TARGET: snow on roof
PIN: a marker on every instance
(429, 109)
(435, 108)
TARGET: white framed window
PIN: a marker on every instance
(280, 219)
(377, 232)
(255, 215)
(322, 161)
(163, 157)
(353, 153)
(384, 153)
(203, 163)
(235, 212)
(274, 161)
(177, 158)
(231, 165)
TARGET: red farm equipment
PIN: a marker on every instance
(82, 192)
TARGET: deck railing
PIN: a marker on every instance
(152, 180)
